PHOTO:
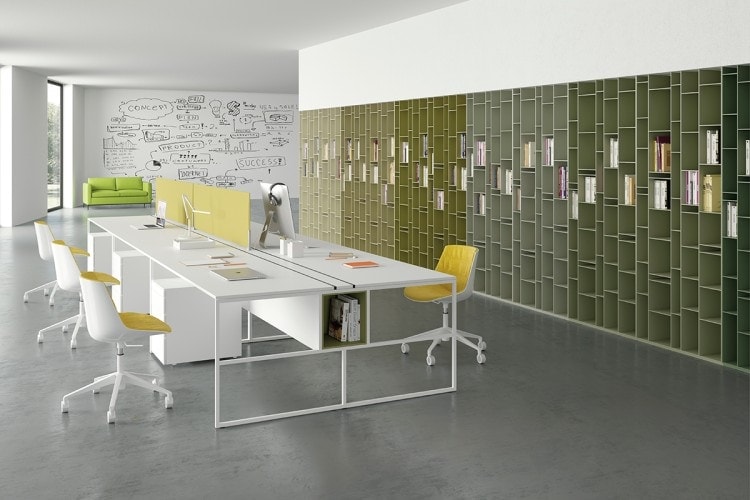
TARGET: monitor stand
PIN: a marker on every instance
(266, 225)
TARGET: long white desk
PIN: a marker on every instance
(300, 285)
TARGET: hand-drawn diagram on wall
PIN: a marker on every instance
(218, 141)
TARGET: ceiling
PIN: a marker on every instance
(219, 45)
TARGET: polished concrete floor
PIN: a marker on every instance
(559, 410)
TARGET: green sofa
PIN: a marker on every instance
(116, 191)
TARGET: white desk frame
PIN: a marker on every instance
(307, 279)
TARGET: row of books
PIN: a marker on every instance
(574, 205)
(344, 318)
(439, 199)
(661, 154)
(480, 204)
(549, 150)
(661, 194)
(614, 152)
(460, 182)
(711, 193)
(480, 156)
(529, 155)
(712, 147)
(562, 181)
(589, 189)
(508, 180)
(629, 191)
(692, 187)
(732, 219)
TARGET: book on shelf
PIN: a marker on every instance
(375, 149)
(589, 192)
(480, 206)
(391, 173)
(464, 179)
(462, 145)
(353, 332)
(349, 172)
(747, 156)
(508, 181)
(713, 149)
(325, 150)
(517, 199)
(692, 187)
(614, 152)
(661, 194)
(711, 193)
(481, 152)
(348, 150)
(562, 181)
(391, 146)
(529, 154)
(629, 194)
(338, 318)
(574, 205)
(374, 176)
(425, 145)
(405, 152)
(549, 150)
(661, 160)
(416, 173)
(732, 219)
(364, 172)
(357, 148)
(439, 199)
(425, 177)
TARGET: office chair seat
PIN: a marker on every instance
(461, 262)
(68, 278)
(107, 325)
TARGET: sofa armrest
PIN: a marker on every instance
(147, 188)
(86, 193)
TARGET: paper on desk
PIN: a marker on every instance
(210, 262)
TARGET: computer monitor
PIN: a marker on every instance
(278, 208)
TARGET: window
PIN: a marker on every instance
(54, 145)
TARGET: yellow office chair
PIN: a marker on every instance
(105, 324)
(44, 239)
(460, 261)
(68, 278)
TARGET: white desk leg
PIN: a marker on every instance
(343, 376)
(217, 368)
(454, 344)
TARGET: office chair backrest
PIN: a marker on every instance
(44, 240)
(461, 262)
(66, 268)
(103, 321)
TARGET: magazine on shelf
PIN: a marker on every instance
(338, 319)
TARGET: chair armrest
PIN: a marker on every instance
(147, 188)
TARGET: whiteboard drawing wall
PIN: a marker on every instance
(231, 140)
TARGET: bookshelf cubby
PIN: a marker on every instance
(586, 199)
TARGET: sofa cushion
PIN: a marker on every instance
(104, 193)
(97, 183)
(134, 183)
(131, 192)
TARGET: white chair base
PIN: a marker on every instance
(119, 379)
(45, 289)
(445, 331)
(79, 320)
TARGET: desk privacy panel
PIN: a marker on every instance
(229, 217)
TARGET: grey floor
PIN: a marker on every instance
(558, 411)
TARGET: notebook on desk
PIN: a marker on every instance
(237, 273)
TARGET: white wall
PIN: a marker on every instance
(23, 146)
(224, 139)
(489, 44)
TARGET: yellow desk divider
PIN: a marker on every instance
(229, 217)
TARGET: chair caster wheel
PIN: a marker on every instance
(51, 302)
(73, 344)
(46, 292)
(25, 298)
(482, 345)
(95, 391)
(65, 329)
(481, 358)
(168, 402)
(40, 338)
(405, 348)
(430, 360)
(64, 406)
(155, 382)
(111, 416)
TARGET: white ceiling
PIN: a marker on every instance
(220, 45)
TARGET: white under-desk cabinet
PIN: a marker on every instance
(190, 314)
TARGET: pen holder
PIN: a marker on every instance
(282, 246)
(295, 248)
